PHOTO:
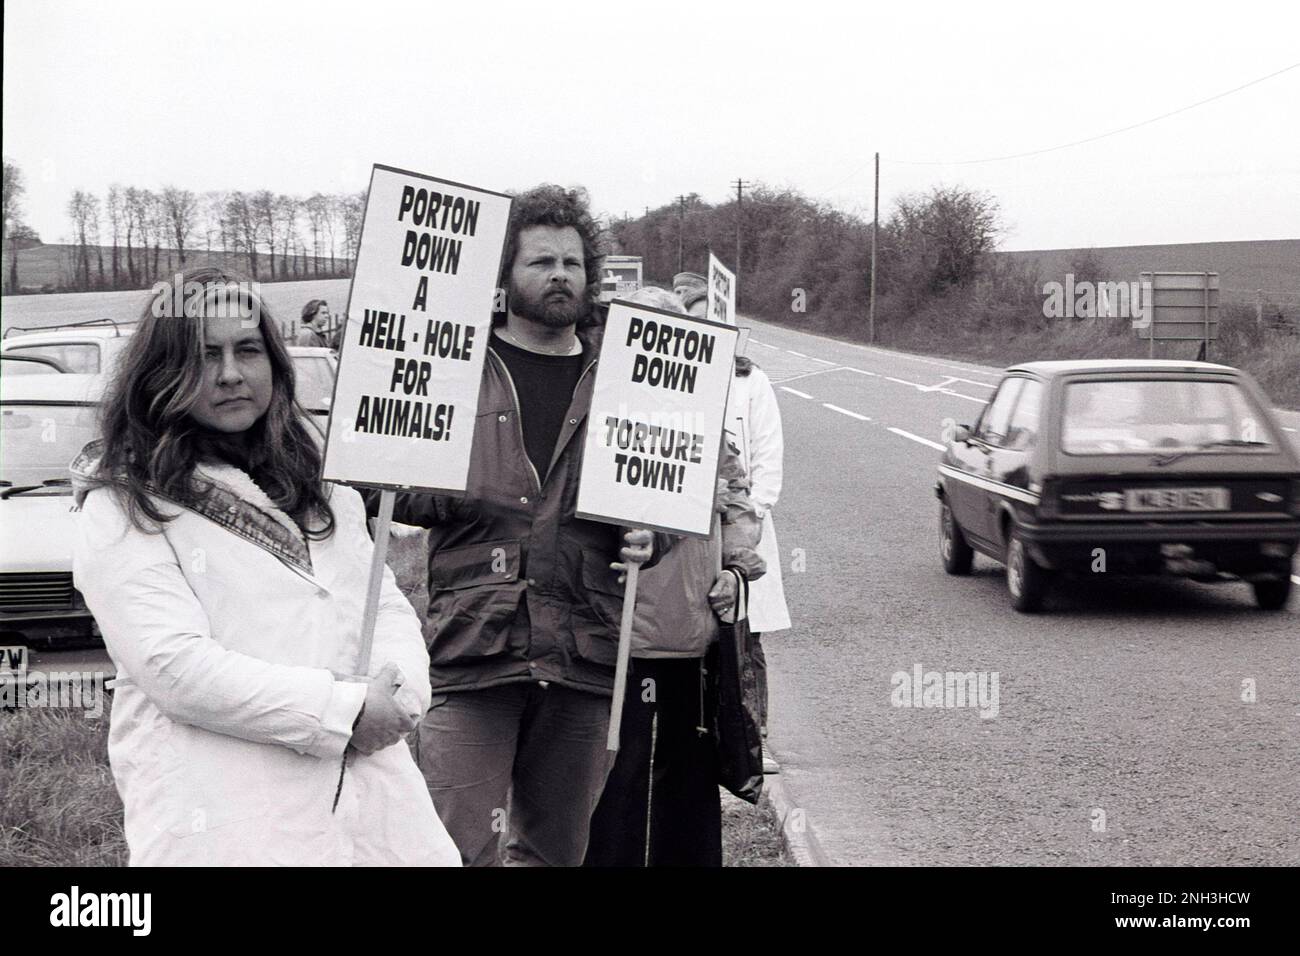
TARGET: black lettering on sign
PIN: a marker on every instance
(435, 210)
(383, 330)
(404, 418)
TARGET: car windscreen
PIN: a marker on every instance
(314, 383)
(38, 442)
(80, 357)
(1133, 416)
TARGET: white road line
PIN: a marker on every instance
(969, 398)
(850, 368)
(972, 382)
(795, 391)
(924, 441)
(793, 352)
(1296, 578)
(845, 411)
(902, 382)
(1285, 429)
(764, 345)
(823, 361)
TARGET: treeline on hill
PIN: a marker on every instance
(133, 237)
(803, 262)
(941, 287)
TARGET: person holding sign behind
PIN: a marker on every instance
(524, 603)
(229, 584)
(661, 804)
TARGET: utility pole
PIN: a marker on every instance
(740, 185)
(681, 229)
(875, 228)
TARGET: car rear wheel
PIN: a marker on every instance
(1026, 580)
(1272, 595)
(953, 549)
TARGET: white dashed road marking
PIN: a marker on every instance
(793, 352)
(902, 382)
(845, 411)
(850, 368)
(823, 361)
(795, 391)
(924, 441)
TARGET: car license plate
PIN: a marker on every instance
(1176, 499)
(13, 661)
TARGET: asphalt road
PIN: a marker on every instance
(1121, 735)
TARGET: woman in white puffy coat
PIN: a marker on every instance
(229, 584)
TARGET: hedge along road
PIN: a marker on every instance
(1120, 734)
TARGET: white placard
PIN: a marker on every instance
(418, 322)
(658, 409)
(722, 293)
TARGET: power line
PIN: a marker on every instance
(1093, 139)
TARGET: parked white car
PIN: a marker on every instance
(87, 349)
(44, 421)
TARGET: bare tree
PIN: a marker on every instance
(263, 207)
(116, 214)
(286, 217)
(12, 201)
(317, 207)
(353, 208)
(215, 224)
(181, 210)
(244, 227)
(131, 211)
(83, 211)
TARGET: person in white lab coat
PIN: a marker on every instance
(229, 582)
(754, 420)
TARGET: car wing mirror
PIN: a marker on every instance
(961, 434)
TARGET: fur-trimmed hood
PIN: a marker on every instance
(225, 494)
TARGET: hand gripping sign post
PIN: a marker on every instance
(654, 437)
(414, 343)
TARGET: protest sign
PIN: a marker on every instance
(414, 342)
(722, 293)
(416, 335)
(655, 428)
(654, 438)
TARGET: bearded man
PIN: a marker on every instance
(524, 597)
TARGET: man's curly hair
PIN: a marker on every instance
(551, 205)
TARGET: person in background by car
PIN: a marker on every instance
(315, 325)
(229, 583)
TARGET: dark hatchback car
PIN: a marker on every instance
(1123, 467)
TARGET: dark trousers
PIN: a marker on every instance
(663, 789)
(515, 771)
(760, 671)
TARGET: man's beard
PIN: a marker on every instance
(551, 311)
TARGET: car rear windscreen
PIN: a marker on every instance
(1132, 416)
(38, 442)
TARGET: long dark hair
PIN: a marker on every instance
(151, 442)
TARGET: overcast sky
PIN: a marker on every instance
(641, 101)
